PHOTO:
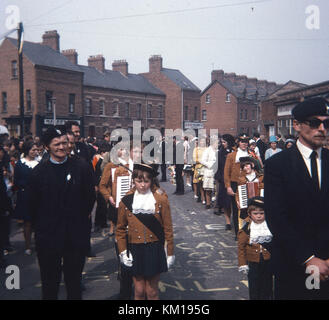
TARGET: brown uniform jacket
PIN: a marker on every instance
(231, 170)
(249, 252)
(137, 231)
(108, 184)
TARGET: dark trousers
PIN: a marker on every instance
(235, 210)
(179, 178)
(163, 172)
(260, 280)
(125, 279)
(101, 211)
(52, 264)
(293, 287)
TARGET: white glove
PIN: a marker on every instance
(170, 261)
(244, 269)
(128, 262)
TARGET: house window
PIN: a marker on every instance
(241, 114)
(149, 111)
(127, 109)
(116, 110)
(88, 106)
(71, 103)
(14, 71)
(160, 109)
(4, 102)
(204, 115)
(253, 114)
(28, 100)
(207, 98)
(196, 113)
(139, 111)
(49, 102)
(186, 113)
(228, 97)
(101, 108)
(246, 114)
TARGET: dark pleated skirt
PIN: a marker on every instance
(148, 259)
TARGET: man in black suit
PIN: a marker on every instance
(178, 158)
(260, 145)
(297, 207)
(60, 197)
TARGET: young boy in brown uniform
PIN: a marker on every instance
(254, 246)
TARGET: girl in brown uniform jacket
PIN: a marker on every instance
(254, 246)
(148, 250)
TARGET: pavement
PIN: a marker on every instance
(205, 268)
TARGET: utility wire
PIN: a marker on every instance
(194, 37)
(154, 13)
(49, 11)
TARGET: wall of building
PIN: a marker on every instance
(221, 115)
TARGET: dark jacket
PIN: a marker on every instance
(60, 200)
(296, 214)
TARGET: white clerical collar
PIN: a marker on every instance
(306, 151)
(56, 162)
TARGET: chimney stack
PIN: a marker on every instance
(217, 75)
(51, 39)
(121, 66)
(230, 76)
(155, 63)
(72, 55)
(97, 62)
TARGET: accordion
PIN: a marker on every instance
(247, 191)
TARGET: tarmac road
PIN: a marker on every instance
(205, 268)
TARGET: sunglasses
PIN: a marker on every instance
(315, 123)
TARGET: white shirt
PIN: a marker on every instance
(306, 153)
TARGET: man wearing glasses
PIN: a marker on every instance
(297, 206)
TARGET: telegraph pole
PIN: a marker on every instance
(21, 76)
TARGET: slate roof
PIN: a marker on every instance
(244, 89)
(117, 81)
(177, 77)
(43, 55)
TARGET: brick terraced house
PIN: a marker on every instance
(182, 96)
(57, 88)
(230, 103)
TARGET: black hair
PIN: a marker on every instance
(27, 146)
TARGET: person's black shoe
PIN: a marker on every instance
(228, 227)
(218, 213)
(174, 192)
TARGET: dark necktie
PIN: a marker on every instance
(314, 170)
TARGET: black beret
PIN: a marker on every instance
(244, 160)
(256, 201)
(311, 107)
(50, 134)
(243, 137)
(145, 167)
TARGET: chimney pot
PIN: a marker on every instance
(121, 66)
(97, 61)
(72, 55)
(155, 63)
(51, 39)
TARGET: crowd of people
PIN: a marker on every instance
(61, 187)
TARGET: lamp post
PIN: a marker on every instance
(53, 102)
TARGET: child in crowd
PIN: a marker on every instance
(254, 246)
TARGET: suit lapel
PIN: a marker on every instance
(324, 170)
(300, 169)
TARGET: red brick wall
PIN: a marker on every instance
(221, 115)
(173, 119)
(110, 97)
(8, 53)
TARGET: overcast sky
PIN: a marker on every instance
(266, 39)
